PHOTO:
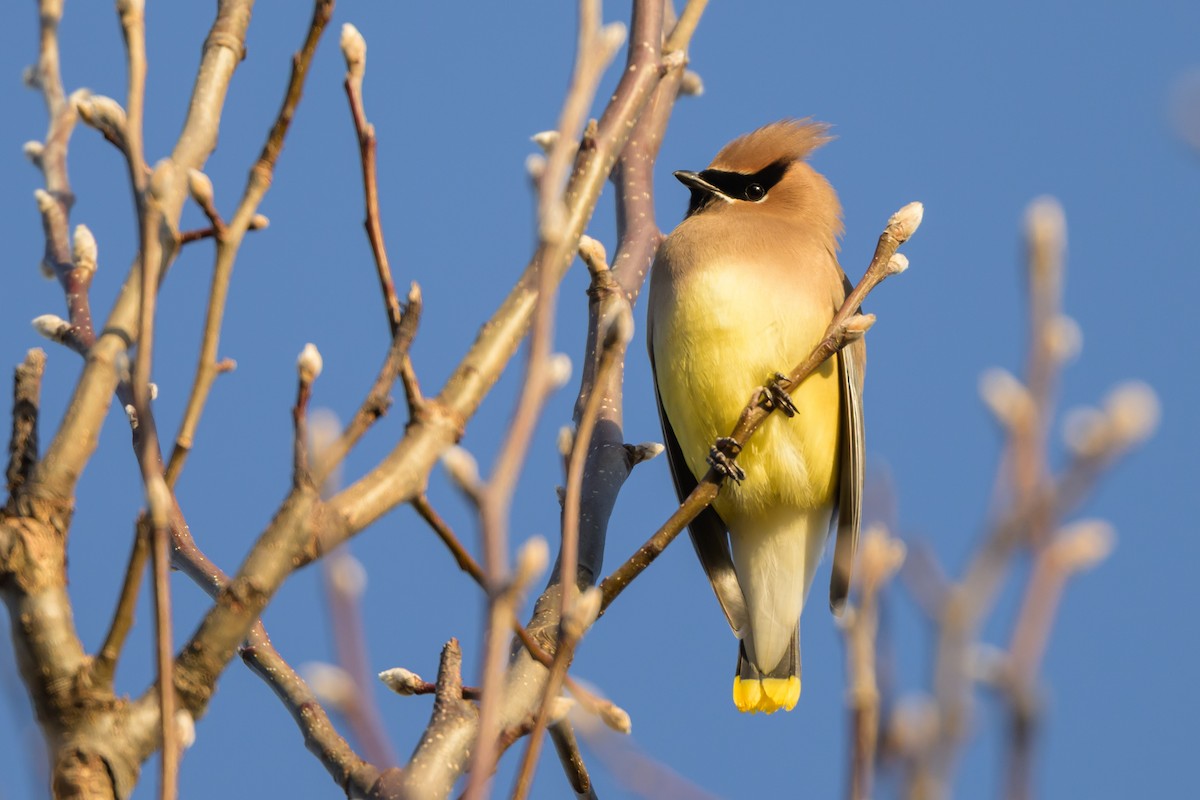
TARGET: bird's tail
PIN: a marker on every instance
(754, 690)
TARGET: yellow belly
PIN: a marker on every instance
(717, 337)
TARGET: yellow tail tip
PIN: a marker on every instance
(767, 695)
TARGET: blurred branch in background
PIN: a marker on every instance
(1033, 502)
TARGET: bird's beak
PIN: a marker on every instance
(692, 180)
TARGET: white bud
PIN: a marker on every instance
(131, 413)
(83, 249)
(127, 7)
(904, 223)
(1006, 397)
(535, 165)
(201, 188)
(691, 84)
(612, 36)
(185, 728)
(559, 708)
(558, 370)
(532, 559)
(882, 554)
(45, 201)
(462, 468)
(309, 363)
(348, 575)
(330, 683)
(102, 113)
(593, 253)
(615, 717)
(1083, 544)
(644, 451)
(1133, 412)
(1086, 431)
(545, 140)
(52, 327)
(153, 387)
(897, 264)
(619, 331)
(1064, 339)
(354, 50)
(566, 440)
(1046, 226)
(34, 151)
(587, 607)
(401, 681)
(858, 325)
(987, 664)
(258, 222)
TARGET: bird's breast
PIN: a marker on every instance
(719, 333)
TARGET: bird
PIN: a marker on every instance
(741, 291)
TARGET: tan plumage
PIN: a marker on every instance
(743, 288)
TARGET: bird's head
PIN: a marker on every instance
(764, 172)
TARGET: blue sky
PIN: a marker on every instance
(972, 109)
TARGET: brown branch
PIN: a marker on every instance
(567, 747)
(461, 556)
(354, 49)
(229, 243)
(23, 444)
(56, 200)
(846, 325)
(321, 737)
(308, 367)
(378, 399)
(171, 748)
(257, 223)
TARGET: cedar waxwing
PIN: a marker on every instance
(744, 289)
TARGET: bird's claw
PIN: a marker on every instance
(721, 456)
(776, 395)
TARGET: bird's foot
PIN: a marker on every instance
(721, 456)
(775, 395)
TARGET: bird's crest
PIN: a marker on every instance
(787, 140)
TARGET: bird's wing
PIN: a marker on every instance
(708, 531)
(851, 364)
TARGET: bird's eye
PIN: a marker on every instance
(755, 192)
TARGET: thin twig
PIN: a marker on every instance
(354, 49)
(378, 399)
(230, 242)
